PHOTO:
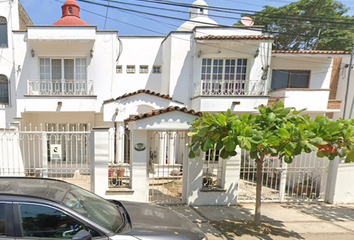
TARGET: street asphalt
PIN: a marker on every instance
(311, 221)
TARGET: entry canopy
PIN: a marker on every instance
(169, 118)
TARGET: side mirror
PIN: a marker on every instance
(82, 235)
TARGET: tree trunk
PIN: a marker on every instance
(257, 213)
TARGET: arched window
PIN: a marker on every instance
(3, 32)
(4, 89)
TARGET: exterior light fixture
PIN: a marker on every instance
(200, 53)
(256, 53)
(91, 53)
(32, 52)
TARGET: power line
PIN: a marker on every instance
(182, 19)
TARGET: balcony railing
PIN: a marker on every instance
(229, 88)
(60, 87)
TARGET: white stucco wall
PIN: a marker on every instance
(312, 100)
(61, 33)
(344, 188)
(235, 104)
(178, 60)
(227, 195)
(137, 50)
(220, 31)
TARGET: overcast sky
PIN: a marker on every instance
(46, 12)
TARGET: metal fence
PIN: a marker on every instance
(37, 153)
(305, 179)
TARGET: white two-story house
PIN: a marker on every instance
(138, 94)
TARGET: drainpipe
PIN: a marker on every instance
(348, 81)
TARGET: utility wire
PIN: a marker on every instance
(182, 19)
(243, 11)
(232, 50)
(238, 11)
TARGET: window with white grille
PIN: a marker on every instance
(4, 89)
(62, 69)
(3, 32)
(156, 69)
(144, 69)
(131, 69)
(63, 76)
(119, 69)
(224, 69)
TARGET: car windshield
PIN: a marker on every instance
(93, 207)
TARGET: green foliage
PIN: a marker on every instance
(298, 24)
(274, 131)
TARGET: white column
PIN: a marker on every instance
(111, 143)
(171, 141)
(120, 136)
(139, 174)
(283, 177)
(44, 155)
(162, 148)
(99, 156)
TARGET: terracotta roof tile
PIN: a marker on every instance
(166, 96)
(235, 37)
(310, 52)
(161, 111)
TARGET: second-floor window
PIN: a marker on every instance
(3, 32)
(290, 79)
(224, 69)
(63, 69)
(4, 89)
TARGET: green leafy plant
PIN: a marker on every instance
(274, 131)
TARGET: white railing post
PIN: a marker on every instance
(60, 87)
(283, 177)
(229, 87)
(44, 155)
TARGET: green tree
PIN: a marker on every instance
(275, 131)
(308, 25)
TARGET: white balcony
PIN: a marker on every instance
(230, 88)
(60, 87)
(313, 100)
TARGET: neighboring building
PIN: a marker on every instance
(142, 92)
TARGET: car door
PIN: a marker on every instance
(35, 220)
(6, 221)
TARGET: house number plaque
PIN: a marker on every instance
(140, 147)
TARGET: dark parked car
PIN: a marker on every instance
(32, 208)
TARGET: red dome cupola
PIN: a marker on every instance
(70, 15)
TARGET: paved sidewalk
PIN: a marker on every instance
(282, 221)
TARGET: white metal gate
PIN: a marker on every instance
(165, 166)
(55, 154)
(305, 179)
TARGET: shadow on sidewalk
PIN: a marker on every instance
(242, 225)
(266, 231)
(324, 211)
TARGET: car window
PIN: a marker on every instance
(2, 220)
(93, 207)
(40, 221)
